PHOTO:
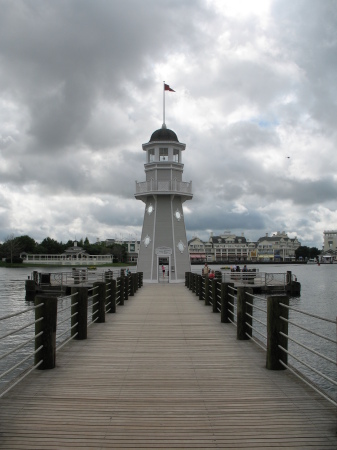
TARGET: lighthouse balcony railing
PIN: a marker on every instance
(164, 186)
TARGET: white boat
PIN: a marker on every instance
(312, 261)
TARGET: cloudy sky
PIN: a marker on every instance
(81, 85)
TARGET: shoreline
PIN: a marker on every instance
(242, 263)
(82, 266)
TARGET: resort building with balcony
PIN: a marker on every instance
(278, 247)
(229, 247)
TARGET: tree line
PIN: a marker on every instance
(307, 252)
(14, 245)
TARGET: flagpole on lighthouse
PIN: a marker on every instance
(166, 87)
(163, 104)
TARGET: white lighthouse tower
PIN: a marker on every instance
(163, 240)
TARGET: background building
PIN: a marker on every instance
(231, 248)
(197, 250)
(330, 241)
(278, 247)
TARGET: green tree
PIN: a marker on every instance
(306, 252)
(314, 252)
(26, 243)
(11, 248)
(68, 244)
(51, 246)
(302, 252)
(119, 252)
(40, 250)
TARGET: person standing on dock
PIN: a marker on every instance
(205, 270)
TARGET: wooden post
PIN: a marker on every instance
(126, 288)
(243, 329)
(121, 290)
(48, 325)
(275, 325)
(99, 309)
(200, 281)
(206, 291)
(110, 299)
(215, 295)
(135, 282)
(195, 283)
(36, 276)
(76, 276)
(113, 297)
(108, 276)
(186, 279)
(30, 290)
(226, 312)
(249, 310)
(289, 277)
(81, 308)
(132, 285)
(140, 279)
(190, 281)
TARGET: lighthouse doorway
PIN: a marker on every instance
(163, 269)
(164, 255)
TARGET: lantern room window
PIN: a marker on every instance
(163, 154)
(151, 155)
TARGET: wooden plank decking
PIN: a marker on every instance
(164, 373)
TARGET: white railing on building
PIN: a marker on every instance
(164, 186)
(66, 259)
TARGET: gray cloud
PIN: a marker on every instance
(81, 90)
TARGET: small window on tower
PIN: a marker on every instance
(163, 154)
(175, 155)
(151, 155)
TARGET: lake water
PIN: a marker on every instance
(318, 296)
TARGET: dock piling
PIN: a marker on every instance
(48, 312)
(275, 325)
(79, 305)
(98, 309)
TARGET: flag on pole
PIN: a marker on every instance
(167, 88)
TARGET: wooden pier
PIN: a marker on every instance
(164, 372)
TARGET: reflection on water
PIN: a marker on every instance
(318, 296)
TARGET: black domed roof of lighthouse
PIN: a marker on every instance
(164, 134)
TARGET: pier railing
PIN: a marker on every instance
(256, 278)
(53, 321)
(75, 276)
(15, 369)
(298, 341)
